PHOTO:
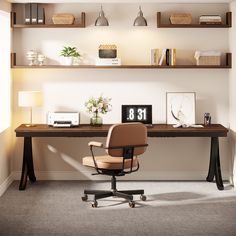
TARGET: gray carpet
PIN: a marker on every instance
(172, 208)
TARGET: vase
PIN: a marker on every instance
(67, 61)
(96, 120)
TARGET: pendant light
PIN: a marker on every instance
(101, 20)
(140, 20)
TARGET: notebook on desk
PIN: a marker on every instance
(137, 113)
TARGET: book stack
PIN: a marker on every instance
(210, 19)
(108, 62)
(166, 56)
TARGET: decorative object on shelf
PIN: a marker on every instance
(63, 19)
(207, 58)
(41, 59)
(101, 20)
(108, 62)
(207, 118)
(32, 57)
(30, 99)
(210, 19)
(98, 106)
(180, 108)
(137, 113)
(107, 51)
(140, 20)
(181, 19)
(68, 54)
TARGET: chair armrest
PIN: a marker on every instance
(96, 144)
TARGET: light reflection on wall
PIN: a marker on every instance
(5, 73)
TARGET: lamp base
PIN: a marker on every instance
(30, 125)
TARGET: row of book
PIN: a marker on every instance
(166, 56)
(34, 14)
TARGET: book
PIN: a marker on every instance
(34, 13)
(108, 62)
(163, 54)
(167, 56)
(41, 15)
(28, 13)
(155, 56)
(173, 56)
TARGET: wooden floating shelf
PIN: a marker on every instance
(119, 67)
(227, 65)
(14, 25)
(228, 23)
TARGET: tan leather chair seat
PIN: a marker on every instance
(110, 163)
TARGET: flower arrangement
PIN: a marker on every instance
(99, 105)
(96, 106)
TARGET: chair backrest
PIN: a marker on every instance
(126, 134)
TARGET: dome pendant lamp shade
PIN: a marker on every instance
(101, 20)
(140, 20)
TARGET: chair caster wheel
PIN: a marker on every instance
(132, 204)
(95, 204)
(143, 197)
(84, 198)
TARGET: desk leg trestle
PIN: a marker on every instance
(214, 166)
(27, 164)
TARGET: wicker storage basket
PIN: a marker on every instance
(65, 19)
(208, 60)
(180, 19)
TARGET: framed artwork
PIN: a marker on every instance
(180, 107)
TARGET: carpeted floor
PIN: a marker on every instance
(172, 208)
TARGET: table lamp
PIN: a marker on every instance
(30, 99)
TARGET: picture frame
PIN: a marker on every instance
(180, 107)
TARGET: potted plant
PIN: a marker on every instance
(68, 54)
(98, 106)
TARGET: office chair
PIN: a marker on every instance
(124, 143)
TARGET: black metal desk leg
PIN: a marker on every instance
(27, 164)
(214, 167)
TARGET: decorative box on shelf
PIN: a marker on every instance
(66, 19)
(207, 58)
(181, 19)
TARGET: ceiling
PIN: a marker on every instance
(122, 1)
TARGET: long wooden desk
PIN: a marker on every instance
(213, 131)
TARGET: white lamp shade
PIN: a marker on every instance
(30, 98)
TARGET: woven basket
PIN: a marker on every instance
(65, 19)
(180, 19)
(208, 60)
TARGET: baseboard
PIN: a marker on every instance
(140, 175)
(4, 186)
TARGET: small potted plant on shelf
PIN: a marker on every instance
(69, 54)
(98, 106)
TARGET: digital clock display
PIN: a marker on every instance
(137, 113)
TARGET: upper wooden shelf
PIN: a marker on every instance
(227, 24)
(15, 25)
(121, 67)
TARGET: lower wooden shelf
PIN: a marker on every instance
(227, 65)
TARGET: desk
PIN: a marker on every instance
(213, 131)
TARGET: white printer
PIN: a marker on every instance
(63, 119)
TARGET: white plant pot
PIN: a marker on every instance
(67, 61)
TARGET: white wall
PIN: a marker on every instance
(68, 89)
(232, 97)
(5, 98)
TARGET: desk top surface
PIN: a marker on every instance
(158, 130)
